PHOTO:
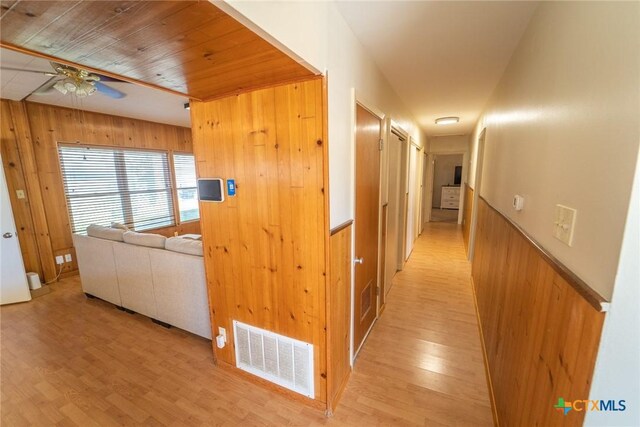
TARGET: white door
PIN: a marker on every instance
(411, 210)
(13, 280)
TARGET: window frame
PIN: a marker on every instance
(176, 204)
(173, 190)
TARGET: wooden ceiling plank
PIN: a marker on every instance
(148, 47)
(139, 19)
(77, 22)
(6, 6)
(183, 35)
(27, 18)
(232, 65)
(183, 47)
(268, 72)
(208, 53)
(198, 56)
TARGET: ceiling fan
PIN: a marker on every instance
(75, 81)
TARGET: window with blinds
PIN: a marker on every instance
(184, 166)
(102, 185)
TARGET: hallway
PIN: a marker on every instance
(75, 361)
(422, 363)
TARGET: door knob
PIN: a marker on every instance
(358, 260)
(7, 235)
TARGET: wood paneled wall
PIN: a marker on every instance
(466, 215)
(339, 314)
(540, 334)
(265, 246)
(30, 137)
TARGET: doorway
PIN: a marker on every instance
(395, 208)
(447, 180)
(13, 279)
(368, 133)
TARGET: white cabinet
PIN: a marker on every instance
(450, 198)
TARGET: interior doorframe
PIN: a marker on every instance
(404, 185)
(465, 172)
(476, 191)
(411, 145)
(358, 99)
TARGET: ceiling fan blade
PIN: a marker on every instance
(46, 73)
(109, 79)
(46, 88)
(109, 91)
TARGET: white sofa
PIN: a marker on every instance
(132, 271)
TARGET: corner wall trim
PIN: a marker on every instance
(581, 287)
(341, 227)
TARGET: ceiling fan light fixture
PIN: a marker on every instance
(60, 87)
(447, 120)
(85, 88)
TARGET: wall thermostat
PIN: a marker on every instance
(211, 190)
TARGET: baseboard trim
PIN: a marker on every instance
(492, 398)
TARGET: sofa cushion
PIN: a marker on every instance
(185, 246)
(108, 233)
(144, 239)
(119, 226)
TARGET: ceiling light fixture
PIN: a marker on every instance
(447, 120)
(79, 88)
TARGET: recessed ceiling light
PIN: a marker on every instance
(447, 120)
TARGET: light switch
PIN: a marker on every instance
(564, 223)
(20, 194)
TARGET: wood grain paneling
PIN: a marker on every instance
(14, 172)
(187, 47)
(466, 215)
(31, 175)
(339, 315)
(541, 336)
(265, 246)
(47, 126)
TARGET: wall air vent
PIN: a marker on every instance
(276, 358)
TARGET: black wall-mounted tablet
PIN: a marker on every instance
(211, 190)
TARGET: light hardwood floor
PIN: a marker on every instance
(67, 360)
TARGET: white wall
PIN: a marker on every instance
(449, 144)
(319, 36)
(617, 372)
(563, 128)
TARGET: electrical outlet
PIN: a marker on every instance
(67, 257)
(59, 259)
(564, 223)
(20, 194)
(223, 332)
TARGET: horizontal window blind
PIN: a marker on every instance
(102, 185)
(184, 166)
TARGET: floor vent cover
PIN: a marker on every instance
(276, 358)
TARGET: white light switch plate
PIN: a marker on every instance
(564, 224)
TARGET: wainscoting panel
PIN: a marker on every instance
(540, 332)
(339, 314)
